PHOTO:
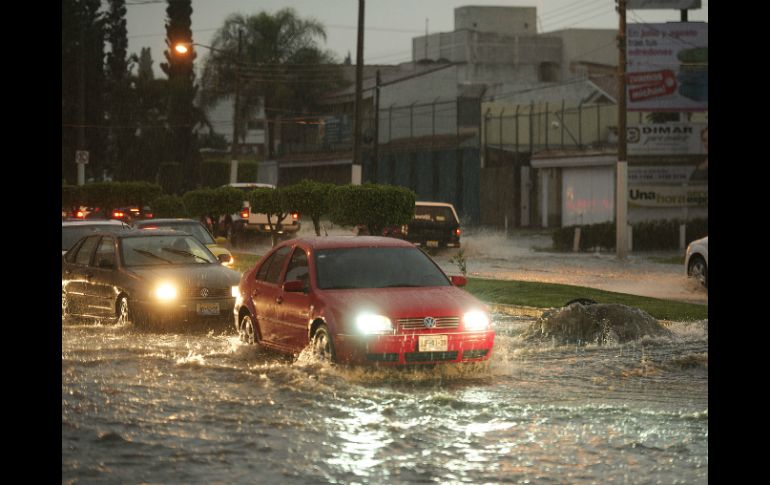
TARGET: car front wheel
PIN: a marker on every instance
(246, 330)
(698, 270)
(323, 347)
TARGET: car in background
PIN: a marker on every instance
(696, 260)
(246, 222)
(72, 231)
(435, 225)
(125, 214)
(361, 300)
(192, 227)
(149, 278)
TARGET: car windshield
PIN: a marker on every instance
(389, 267)
(194, 228)
(72, 234)
(164, 250)
(434, 213)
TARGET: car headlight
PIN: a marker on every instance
(369, 323)
(475, 320)
(235, 292)
(165, 292)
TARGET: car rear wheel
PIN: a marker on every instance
(698, 270)
(246, 330)
(323, 347)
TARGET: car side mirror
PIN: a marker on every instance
(224, 258)
(458, 280)
(294, 286)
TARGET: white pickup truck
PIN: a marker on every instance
(248, 222)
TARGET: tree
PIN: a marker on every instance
(120, 95)
(281, 66)
(83, 32)
(181, 77)
(144, 63)
(309, 198)
(372, 205)
(272, 203)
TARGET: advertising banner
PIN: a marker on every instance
(667, 139)
(660, 175)
(667, 67)
(668, 196)
(662, 4)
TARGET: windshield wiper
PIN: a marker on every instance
(149, 253)
(185, 253)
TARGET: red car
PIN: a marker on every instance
(361, 300)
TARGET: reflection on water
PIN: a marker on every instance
(143, 407)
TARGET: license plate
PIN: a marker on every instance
(432, 244)
(208, 308)
(432, 343)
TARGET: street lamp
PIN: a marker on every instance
(183, 48)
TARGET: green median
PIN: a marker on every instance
(550, 295)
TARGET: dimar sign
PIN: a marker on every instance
(668, 196)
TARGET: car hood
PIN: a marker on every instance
(211, 275)
(216, 249)
(398, 303)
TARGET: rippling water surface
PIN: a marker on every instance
(176, 408)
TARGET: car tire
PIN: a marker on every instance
(322, 344)
(697, 269)
(247, 330)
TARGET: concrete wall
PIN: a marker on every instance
(588, 45)
(502, 20)
(485, 47)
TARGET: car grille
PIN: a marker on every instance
(474, 354)
(195, 292)
(429, 356)
(418, 323)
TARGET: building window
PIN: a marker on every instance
(548, 72)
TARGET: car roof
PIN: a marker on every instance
(132, 232)
(436, 204)
(168, 220)
(101, 222)
(333, 242)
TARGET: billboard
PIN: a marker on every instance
(667, 139)
(662, 4)
(667, 67)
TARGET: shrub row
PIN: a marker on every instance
(647, 235)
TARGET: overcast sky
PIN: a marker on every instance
(390, 24)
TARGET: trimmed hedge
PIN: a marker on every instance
(375, 206)
(647, 235)
(310, 199)
(168, 206)
(110, 194)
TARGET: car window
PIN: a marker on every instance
(71, 234)
(83, 255)
(161, 250)
(298, 269)
(368, 267)
(276, 265)
(434, 213)
(265, 266)
(194, 228)
(105, 253)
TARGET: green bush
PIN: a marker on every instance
(114, 194)
(310, 199)
(647, 235)
(375, 206)
(71, 195)
(168, 206)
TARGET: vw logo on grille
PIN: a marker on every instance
(204, 292)
(429, 322)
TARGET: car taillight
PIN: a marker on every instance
(457, 231)
(295, 215)
(245, 213)
(148, 215)
(118, 215)
(80, 214)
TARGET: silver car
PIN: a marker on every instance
(696, 260)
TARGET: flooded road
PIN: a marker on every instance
(176, 408)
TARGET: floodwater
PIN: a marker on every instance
(194, 408)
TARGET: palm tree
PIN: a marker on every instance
(281, 66)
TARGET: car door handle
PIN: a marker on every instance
(279, 300)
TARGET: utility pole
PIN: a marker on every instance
(621, 196)
(79, 157)
(359, 86)
(236, 107)
(376, 126)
